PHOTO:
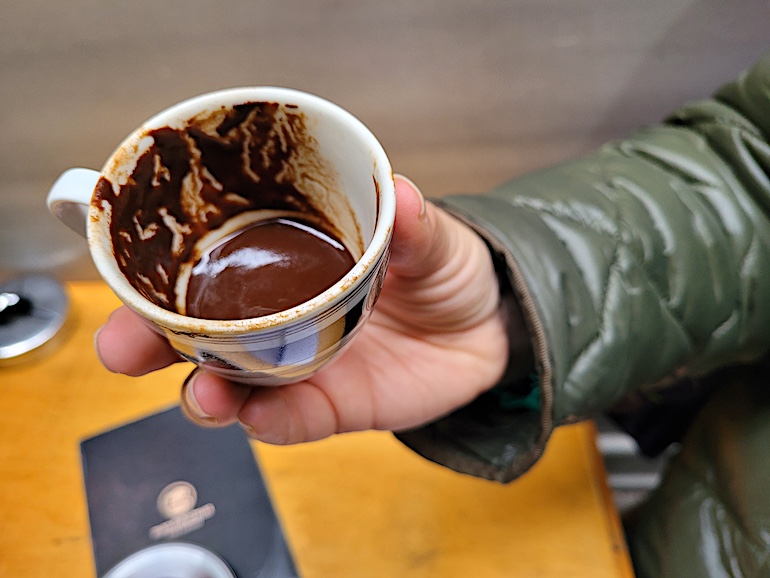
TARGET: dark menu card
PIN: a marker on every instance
(163, 479)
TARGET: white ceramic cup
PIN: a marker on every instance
(164, 195)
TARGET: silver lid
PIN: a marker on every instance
(33, 309)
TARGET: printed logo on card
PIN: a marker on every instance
(176, 502)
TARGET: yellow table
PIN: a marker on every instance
(358, 505)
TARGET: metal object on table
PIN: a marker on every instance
(172, 560)
(33, 310)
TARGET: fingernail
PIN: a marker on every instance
(190, 406)
(250, 431)
(267, 437)
(423, 214)
(96, 344)
(423, 205)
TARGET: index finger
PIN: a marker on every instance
(125, 344)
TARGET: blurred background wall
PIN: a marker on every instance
(463, 94)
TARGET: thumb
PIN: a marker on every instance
(441, 274)
(422, 235)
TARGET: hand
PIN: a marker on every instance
(433, 343)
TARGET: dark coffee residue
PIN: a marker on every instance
(265, 268)
(191, 181)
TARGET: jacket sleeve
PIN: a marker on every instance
(643, 263)
(709, 516)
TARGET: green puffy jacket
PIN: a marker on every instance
(636, 268)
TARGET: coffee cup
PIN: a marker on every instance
(215, 203)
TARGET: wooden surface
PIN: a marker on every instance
(358, 505)
(462, 94)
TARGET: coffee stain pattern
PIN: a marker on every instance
(191, 180)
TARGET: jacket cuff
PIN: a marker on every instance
(502, 433)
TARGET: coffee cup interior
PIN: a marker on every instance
(209, 167)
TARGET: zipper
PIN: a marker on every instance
(540, 344)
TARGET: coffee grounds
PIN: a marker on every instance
(191, 180)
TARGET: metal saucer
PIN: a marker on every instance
(33, 309)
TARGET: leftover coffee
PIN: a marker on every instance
(265, 268)
(191, 180)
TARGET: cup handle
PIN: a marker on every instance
(70, 197)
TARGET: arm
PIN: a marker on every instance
(643, 263)
(635, 266)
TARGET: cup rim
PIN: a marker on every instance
(180, 113)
